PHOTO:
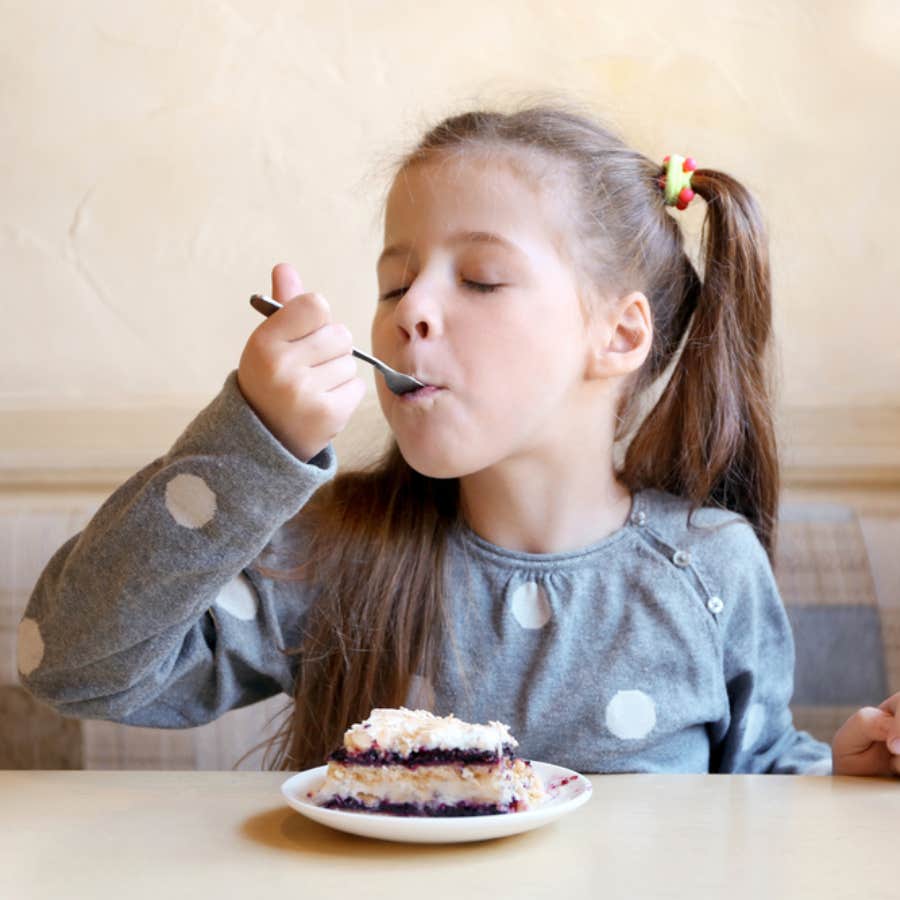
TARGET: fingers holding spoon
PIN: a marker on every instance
(396, 381)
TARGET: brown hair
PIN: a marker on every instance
(373, 540)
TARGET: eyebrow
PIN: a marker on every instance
(460, 237)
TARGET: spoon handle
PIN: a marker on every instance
(372, 361)
(267, 306)
(396, 381)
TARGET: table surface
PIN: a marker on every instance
(142, 834)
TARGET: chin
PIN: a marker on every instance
(433, 464)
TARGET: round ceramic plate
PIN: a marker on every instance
(567, 790)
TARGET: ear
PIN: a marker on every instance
(621, 336)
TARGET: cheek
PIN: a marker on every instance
(385, 397)
(377, 331)
(544, 350)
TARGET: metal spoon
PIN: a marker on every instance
(396, 381)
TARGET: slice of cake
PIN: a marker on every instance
(413, 763)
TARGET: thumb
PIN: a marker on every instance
(286, 282)
(862, 729)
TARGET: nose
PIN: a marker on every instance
(418, 315)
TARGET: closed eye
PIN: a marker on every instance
(482, 288)
(476, 286)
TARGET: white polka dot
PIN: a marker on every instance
(756, 717)
(530, 605)
(29, 646)
(190, 501)
(420, 694)
(631, 715)
(238, 598)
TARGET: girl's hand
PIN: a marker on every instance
(297, 371)
(868, 743)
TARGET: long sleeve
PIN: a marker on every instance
(151, 616)
(758, 658)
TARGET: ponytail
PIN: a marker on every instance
(710, 437)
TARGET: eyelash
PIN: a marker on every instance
(474, 285)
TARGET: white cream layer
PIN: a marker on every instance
(403, 730)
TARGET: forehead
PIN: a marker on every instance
(474, 192)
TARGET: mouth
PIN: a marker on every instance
(422, 393)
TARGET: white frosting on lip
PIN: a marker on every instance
(403, 730)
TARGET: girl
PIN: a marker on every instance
(498, 562)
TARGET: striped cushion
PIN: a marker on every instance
(848, 646)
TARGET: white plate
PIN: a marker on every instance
(562, 799)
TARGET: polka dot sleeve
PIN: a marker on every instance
(152, 614)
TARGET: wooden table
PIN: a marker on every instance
(228, 834)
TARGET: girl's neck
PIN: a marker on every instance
(541, 505)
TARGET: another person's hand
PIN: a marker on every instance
(296, 370)
(868, 743)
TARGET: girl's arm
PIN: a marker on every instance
(758, 735)
(150, 615)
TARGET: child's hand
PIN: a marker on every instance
(868, 743)
(297, 371)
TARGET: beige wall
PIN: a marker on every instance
(159, 157)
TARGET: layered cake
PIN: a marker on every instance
(413, 763)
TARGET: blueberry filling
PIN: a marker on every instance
(441, 810)
(430, 757)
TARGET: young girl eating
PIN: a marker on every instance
(505, 559)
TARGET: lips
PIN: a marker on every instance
(409, 367)
(429, 390)
(426, 379)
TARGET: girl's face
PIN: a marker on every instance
(476, 300)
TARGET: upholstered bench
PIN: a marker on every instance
(847, 643)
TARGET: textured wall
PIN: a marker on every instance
(159, 157)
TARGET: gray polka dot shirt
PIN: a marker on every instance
(662, 648)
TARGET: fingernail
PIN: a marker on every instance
(894, 745)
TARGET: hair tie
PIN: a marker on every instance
(676, 183)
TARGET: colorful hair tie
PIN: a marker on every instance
(677, 181)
